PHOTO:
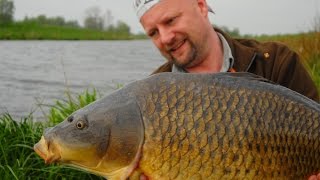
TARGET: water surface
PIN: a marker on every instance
(33, 72)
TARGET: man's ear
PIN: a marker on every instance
(202, 4)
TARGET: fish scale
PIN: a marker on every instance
(239, 142)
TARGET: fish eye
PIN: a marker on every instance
(80, 125)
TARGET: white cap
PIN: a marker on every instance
(142, 6)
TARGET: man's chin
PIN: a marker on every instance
(183, 63)
(179, 63)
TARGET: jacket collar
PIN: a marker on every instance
(243, 55)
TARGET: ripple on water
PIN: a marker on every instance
(33, 71)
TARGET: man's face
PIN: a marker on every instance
(178, 29)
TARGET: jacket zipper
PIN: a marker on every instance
(252, 59)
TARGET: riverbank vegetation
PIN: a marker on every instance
(18, 160)
(33, 30)
(95, 26)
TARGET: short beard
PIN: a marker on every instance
(192, 56)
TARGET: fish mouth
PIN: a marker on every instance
(47, 151)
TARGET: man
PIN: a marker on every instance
(182, 32)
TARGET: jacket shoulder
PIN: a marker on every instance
(265, 46)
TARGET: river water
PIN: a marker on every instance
(39, 72)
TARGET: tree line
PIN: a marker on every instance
(94, 19)
(6, 11)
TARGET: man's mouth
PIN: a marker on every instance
(177, 46)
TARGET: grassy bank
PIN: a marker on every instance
(35, 31)
(19, 161)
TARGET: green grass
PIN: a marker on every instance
(63, 108)
(19, 161)
(314, 69)
(34, 31)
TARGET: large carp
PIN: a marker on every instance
(191, 126)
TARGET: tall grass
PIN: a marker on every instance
(18, 159)
(63, 108)
(309, 50)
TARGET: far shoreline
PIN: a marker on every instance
(34, 31)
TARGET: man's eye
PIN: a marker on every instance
(171, 20)
(152, 33)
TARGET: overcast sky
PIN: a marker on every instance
(249, 16)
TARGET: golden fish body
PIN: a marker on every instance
(201, 126)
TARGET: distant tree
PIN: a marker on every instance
(111, 28)
(41, 19)
(6, 11)
(108, 19)
(94, 19)
(122, 27)
(316, 23)
(234, 32)
(55, 21)
(59, 21)
(72, 23)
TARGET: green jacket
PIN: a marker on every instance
(271, 60)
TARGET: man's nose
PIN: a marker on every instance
(166, 36)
